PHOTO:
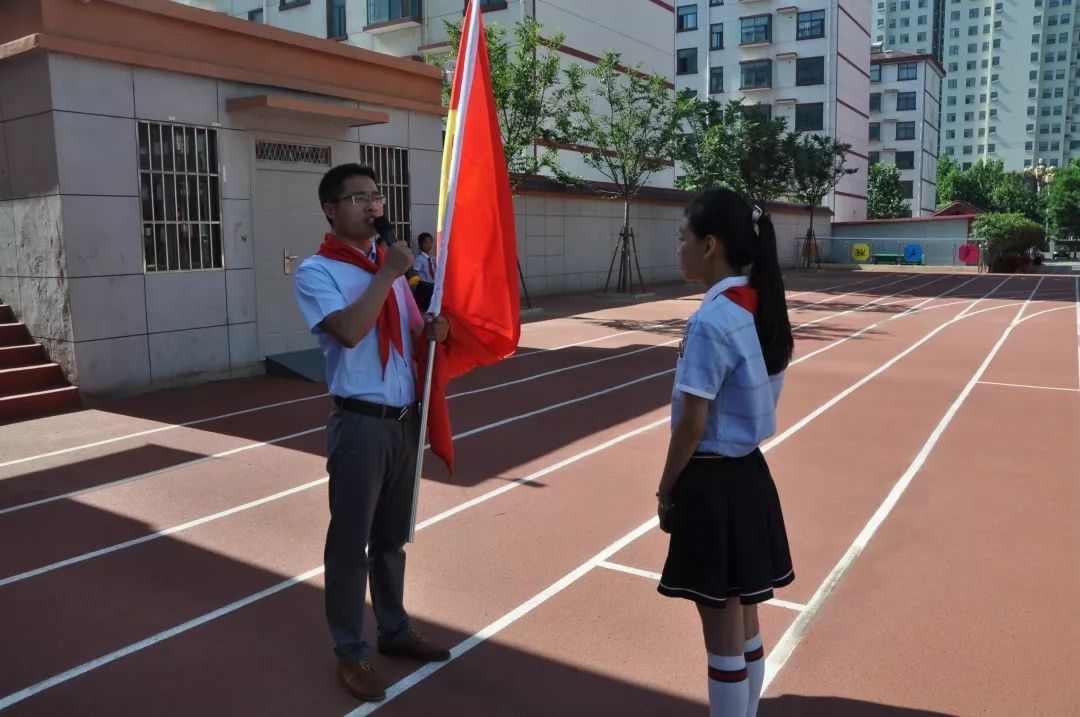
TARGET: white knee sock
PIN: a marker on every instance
(728, 690)
(755, 672)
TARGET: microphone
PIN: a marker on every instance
(386, 233)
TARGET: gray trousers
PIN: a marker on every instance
(371, 462)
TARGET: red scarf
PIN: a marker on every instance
(744, 296)
(389, 321)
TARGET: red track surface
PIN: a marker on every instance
(926, 460)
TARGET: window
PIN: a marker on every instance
(905, 160)
(873, 157)
(809, 117)
(335, 20)
(716, 36)
(716, 80)
(951, 101)
(1028, 146)
(380, 11)
(758, 113)
(875, 131)
(875, 73)
(1031, 93)
(1035, 39)
(715, 3)
(950, 134)
(810, 71)
(686, 61)
(686, 18)
(756, 74)
(756, 29)
(256, 15)
(875, 101)
(907, 71)
(905, 101)
(810, 25)
(180, 197)
(973, 12)
(905, 130)
(907, 189)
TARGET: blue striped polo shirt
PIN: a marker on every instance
(721, 360)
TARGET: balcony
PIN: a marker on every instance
(390, 15)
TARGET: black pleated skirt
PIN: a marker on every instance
(727, 533)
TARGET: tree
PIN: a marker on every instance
(1014, 193)
(818, 165)
(883, 197)
(528, 91)
(627, 125)
(1005, 237)
(948, 174)
(1063, 200)
(733, 146)
(976, 185)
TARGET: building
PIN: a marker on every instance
(911, 25)
(808, 64)
(1013, 86)
(160, 174)
(905, 104)
(1011, 67)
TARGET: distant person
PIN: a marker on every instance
(728, 546)
(425, 266)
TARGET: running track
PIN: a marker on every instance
(162, 554)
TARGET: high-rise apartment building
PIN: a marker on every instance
(808, 64)
(905, 101)
(1012, 85)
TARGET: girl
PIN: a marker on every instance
(728, 546)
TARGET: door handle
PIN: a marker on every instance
(288, 260)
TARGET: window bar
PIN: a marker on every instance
(150, 184)
(176, 198)
(198, 168)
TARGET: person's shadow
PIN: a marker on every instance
(799, 705)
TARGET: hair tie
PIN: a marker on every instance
(755, 215)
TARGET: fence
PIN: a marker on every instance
(910, 252)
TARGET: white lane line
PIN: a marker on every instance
(159, 534)
(863, 307)
(505, 621)
(605, 337)
(655, 577)
(841, 296)
(159, 429)
(231, 607)
(1024, 385)
(913, 310)
(269, 406)
(620, 568)
(234, 451)
(438, 518)
(159, 471)
(845, 285)
(877, 372)
(71, 674)
(74, 672)
(525, 608)
(429, 521)
(564, 369)
(795, 632)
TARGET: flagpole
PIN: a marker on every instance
(424, 405)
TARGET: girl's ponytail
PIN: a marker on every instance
(773, 326)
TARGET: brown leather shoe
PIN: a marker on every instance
(361, 681)
(416, 647)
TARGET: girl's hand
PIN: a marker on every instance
(664, 506)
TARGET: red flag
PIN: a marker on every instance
(476, 285)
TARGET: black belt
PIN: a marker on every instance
(378, 410)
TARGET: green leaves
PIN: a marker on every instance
(627, 124)
(884, 199)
